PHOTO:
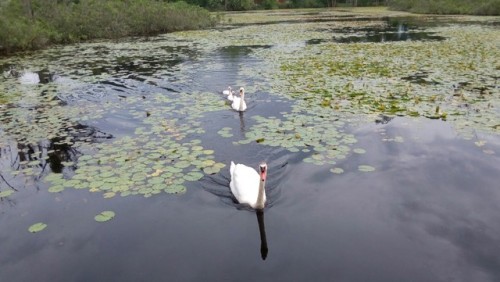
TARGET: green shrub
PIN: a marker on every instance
(307, 3)
(46, 22)
(240, 5)
(269, 4)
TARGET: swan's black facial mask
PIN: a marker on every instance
(263, 168)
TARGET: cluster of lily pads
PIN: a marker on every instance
(458, 80)
(159, 157)
(330, 86)
(454, 80)
(31, 119)
(225, 132)
(322, 136)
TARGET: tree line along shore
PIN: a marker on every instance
(35, 24)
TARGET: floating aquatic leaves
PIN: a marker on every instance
(225, 132)
(104, 216)
(212, 167)
(337, 170)
(37, 227)
(455, 80)
(175, 189)
(159, 157)
(56, 188)
(6, 193)
(321, 134)
(330, 87)
(359, 150)
(44, 117)
(366, 168)
(193, 176)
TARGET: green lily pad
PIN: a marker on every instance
(182, 164)
(337, 170)
(175, 189)
(109, 195)
(210, 170)
(366, 168)
(208, 163)
(193, 176)
(104, 216)
(359, 151)
(219, 165)
(37, 227)
(56, 188)
(6, 193)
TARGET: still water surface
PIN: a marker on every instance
(429, 212)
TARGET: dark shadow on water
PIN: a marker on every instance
(420, 77)
(393, 29)
(390, 36)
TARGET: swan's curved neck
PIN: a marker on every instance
(260, 197)
(241, 102)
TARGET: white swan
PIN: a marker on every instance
(230, 97)
(247, 186)
(239, 102)
(229, 93)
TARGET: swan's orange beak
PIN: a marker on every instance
(263, 171)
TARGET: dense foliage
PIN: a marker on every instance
(242, 5)
(477, 7)
(31, 24)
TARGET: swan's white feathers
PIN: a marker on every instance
(227, 91)
(236, 104)
(245, 184)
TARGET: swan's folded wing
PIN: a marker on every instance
(245, 184)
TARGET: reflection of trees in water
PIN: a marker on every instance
(34, 161)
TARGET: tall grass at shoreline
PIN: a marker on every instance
(42, 23)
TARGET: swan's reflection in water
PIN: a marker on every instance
(242, 122)
(262, 231)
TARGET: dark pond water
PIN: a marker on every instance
(393, 29)
(429, 212)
